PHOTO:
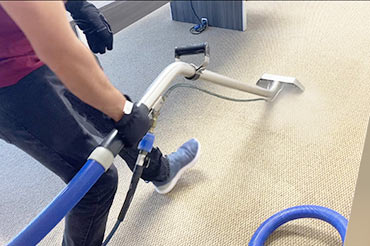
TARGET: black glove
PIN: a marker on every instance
(132, 127)
(93, 24)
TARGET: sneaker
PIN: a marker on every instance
(184, 158)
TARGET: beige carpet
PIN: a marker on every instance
(257, 158)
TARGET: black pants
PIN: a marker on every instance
(41, 117)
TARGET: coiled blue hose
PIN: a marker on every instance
(60, 206)
(307, 211)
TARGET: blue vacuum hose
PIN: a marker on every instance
(60, 206)
(308, 211)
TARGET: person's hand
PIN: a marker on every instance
(93, 24)
(132, 127)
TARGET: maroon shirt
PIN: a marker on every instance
(17, 57)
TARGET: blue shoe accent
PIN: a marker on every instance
(184, 158)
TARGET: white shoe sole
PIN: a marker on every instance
(179, 173)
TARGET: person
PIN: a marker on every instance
(52, 88)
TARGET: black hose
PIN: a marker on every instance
(138, 170)
(110, 235)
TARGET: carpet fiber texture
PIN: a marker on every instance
(257, 158)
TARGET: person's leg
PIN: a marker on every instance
(45, 125)
(91, 211)
(34, 118)
(158, 169)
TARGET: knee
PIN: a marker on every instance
(105, 188)
(101, 193)
(108, 182)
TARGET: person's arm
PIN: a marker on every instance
(46, 27)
